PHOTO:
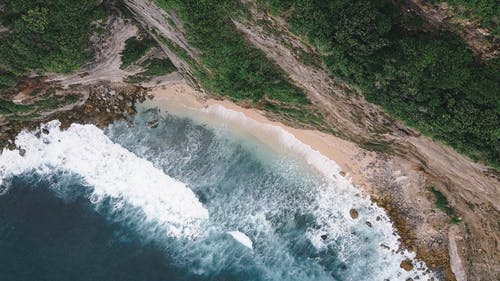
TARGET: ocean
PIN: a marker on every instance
(203, 194)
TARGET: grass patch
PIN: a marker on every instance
(158, 67)
(8, 107)
(441, 203)
(70, 99)
(134, 50)
(28, 117)
(383, 147)
(135, 79)
(55, 102)
(49, 103)
(154, 68)
(17, 111)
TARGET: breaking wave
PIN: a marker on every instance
(279, 210)
(112, 171)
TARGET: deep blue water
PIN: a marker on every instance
(43, 237)
(51, 229)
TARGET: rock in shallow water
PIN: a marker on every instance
(406, 265)
(354, 214)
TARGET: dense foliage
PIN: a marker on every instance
(158, 67)
(232, 67)
(134, 50)
(44, 35)
(153, 68)
(487, 12)
(430, 80)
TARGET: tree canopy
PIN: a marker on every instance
(48, 35)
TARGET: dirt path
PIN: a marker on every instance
(107, 58)
(167, 26)
(455, 260)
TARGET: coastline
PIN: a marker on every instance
(396, 185)
(348, 156)
(443, 205)
(343, 161)
(183, 99)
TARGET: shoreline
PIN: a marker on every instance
(393, 183)
(396, 183)
(349, 161)
(316, 140)
(347, 155)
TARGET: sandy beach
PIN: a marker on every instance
(391, 181)
(178, 96)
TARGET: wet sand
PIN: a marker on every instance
(179, 98)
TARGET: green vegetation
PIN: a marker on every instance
(158, 67)
(45, 36)
(154, 68)
(232, 67)
(428, 79)
(19, 110)
(70, 99)
(487, 12)
(8, 107)
(377, 146)
(442, 204)
(134, 50)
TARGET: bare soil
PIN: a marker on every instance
(106, 66)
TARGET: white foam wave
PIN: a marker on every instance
(333, 200)
(277, 137)
(111, 170)
(241, 238)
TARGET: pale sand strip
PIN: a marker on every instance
(179, 96)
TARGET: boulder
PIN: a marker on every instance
(354, 214)
(406, 265)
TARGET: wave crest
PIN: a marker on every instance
(111, 170)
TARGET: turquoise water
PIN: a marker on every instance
(177, 201)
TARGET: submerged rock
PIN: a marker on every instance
(153, 124)
(354, 214)
(406, 265)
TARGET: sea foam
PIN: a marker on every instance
(334, 200)
(241, 238)
(111, 170)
